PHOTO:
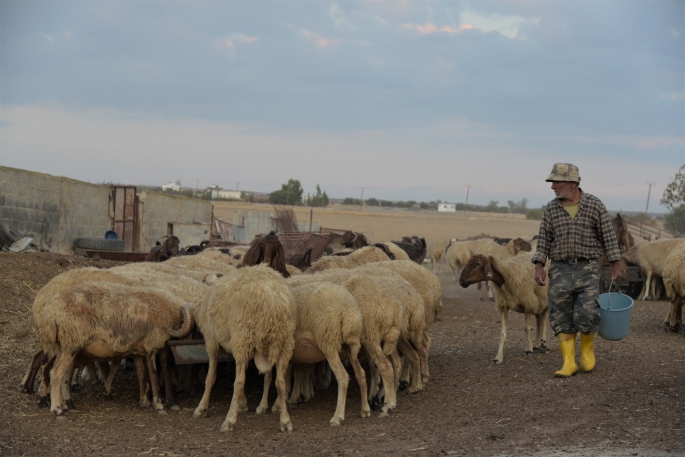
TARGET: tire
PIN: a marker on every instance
(99, 244)
(8, 235)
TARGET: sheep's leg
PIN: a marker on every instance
(405, 377)
(343, 380)
(281, 369)
(114, 368)
(154, 380)
(352, 355)
(298, 376)
(45, 381)
(58, 374)
(308, 382)
(325, 381)
(503, 336)
(396, 362)
(238, 387)
(480, 291)
(413, 360)
(213, 355)
(264, 403)
(646, 286)
(491, 296)
(374, 383)
(529, 333)
(386, 370)
(89, 374)
(142, 381)
(674, 321)
(26, 385)
(541, 320)
(67, 402)
(73, 376)
(103, 371)
(164, 359)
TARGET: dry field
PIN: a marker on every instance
(385, 226)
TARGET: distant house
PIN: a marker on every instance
(447, 207)
(228, 194)
(172, 186)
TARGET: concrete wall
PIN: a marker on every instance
(156, 210)
(53, 210)
(255, 222)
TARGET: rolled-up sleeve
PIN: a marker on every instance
(545, 238)
(607, 236)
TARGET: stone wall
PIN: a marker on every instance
(157, 209)
(53, 210)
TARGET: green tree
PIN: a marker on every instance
(520, 207)
(352, 201)
(372, 202)
(674, 221)
(674, 194)
(289, 194)
(318, 200)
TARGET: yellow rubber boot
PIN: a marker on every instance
(587, 352)
(567, 345)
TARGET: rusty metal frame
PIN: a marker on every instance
(124, 215)
(298, 242)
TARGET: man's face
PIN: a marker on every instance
(563, 189)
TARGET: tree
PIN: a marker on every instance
(674, 221)
(352, 201)
(674, 194)
(372, 202)
(520, 207)
(319, 200)
(290, 194)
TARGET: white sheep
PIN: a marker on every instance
(359, 257)
(651, 258)
(252, 314)
(398, 252)
(514, 280)
(674, 280)
(436, 252)
(106, 321)
(328, 317)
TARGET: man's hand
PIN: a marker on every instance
(615, 270)
(540, 275)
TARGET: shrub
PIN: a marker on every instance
(674, 221)
(534, 214)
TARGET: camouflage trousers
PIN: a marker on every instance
(573, 289)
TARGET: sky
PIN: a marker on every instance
(410, 100)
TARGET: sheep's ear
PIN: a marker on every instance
(488, 270)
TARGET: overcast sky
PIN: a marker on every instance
(412, 100)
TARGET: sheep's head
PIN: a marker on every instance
(385, 250)
(630, 255)
(302, 261)
(479, 269)
(170, 245)
(521, 245)
(348, 238)
(267, 249)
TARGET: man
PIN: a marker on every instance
(574, 232)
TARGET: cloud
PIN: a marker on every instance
(50, 38)
(430, 28)
(68, 34)
(339, 17)
(674, 96)
(675, 33)
(230, 42)
(319, 40)
(507, 26)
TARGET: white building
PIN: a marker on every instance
(172, 186)
(447, 207)
(229, 194)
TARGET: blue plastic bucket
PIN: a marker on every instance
(615, 309)
(111, 235)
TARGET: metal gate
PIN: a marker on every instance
(123, 215)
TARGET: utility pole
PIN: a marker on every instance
(237, 185)
(466, 204)
(362, 199)
(650, 184)
(197, 185)
(287, 198)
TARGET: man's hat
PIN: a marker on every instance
(564, 172)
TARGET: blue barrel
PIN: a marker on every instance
(615, 309)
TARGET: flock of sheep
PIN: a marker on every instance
(249, 303)
(377, 302)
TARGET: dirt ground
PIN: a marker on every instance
(633, 404)
(392, 225)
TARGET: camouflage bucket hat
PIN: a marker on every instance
(564, 172)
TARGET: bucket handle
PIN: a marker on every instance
(618, 289)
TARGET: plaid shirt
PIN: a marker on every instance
(587, 236)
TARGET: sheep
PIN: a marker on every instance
(674, 280)
(165, 250)
(398, 252)
(266, 249)
(514, 280)
(107, 322)
(360, 257)
(353, 240)
(394, 317)
(301, 261)
(414, 246)
(328, 317)
(436, 252)
(651, 258)
(252, 314)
